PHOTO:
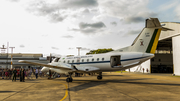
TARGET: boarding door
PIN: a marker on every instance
(115, 61)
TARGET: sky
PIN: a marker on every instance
(59, 26)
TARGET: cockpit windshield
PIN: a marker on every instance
(56, 59)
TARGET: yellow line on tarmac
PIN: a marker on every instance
(66, 94)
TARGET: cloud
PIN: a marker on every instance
(133, 32)
(70, 48)
(134, 19)
(140, 17)
(83, 25)
(67, 36)
(86, 11)
(88, 31)
(114, 23)
(22, 46)
(57, 11)
(14, 0)
(87, 28)
(85, 49)
(79, 3)
(122, 8)
(133, 11)
(57, 18)
(55, 48)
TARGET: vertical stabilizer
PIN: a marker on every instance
(147, 40)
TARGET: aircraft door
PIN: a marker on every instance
(115, 61)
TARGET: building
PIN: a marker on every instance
(5, 60)
(167, 56)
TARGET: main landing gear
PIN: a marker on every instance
(69, 79)
(99, 77)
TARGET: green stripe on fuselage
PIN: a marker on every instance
(152, 41)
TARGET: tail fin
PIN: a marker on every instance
(147, 40)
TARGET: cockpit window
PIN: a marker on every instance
(56, 59)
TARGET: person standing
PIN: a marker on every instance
(21, 75)
(6, 74)
(14, 74)
(36, 72)
(2, 73)
(147, 70)
(24, 74)
(10, 74)
(30, 73)
(18, 73)
(49, 74)
(40, 74)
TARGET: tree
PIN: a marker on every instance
(98, 51)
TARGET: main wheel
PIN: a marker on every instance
(99, 77)
(69, 80)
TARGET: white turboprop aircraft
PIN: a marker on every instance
(142, 49)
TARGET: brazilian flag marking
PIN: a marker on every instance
(154, 41)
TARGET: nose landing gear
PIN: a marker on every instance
(99, 77)
(69, 79)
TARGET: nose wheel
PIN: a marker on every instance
(69, 79)
(99, 77)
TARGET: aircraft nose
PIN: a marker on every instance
(44, 69)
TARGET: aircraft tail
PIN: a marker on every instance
(147, 40)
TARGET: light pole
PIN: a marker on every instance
(3, 49)
(78, 50)
(12, 56)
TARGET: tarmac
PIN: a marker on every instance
(113, 87)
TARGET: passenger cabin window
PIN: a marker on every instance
(82, 60)
(87, 60)
(56, 60)
(102, 59)
(77, 61)
(68, 61)
(72, 61)
(92, 59)
(64, 61)
(97, 59)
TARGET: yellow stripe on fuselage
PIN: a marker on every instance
(153, 49)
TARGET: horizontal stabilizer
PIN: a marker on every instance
(166, 29)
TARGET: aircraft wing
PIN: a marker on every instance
(66, 67)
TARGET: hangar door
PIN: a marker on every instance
(163, 60)
(162, 63)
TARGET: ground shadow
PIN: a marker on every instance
(7, 91)
(89, 83)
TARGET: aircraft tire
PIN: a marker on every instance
(69, 80)
(99, 77)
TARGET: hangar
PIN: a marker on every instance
(167, 56)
